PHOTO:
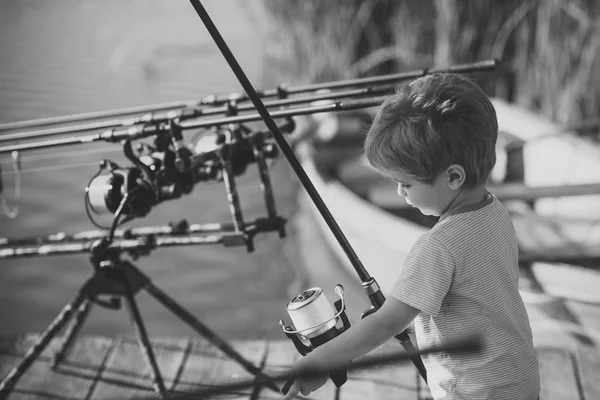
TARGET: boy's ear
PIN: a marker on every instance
(456, 176)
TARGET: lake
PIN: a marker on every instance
(65, 57)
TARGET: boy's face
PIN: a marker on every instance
(430, 199)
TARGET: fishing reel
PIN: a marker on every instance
(105, 192)
(316, 322)
(133, 191)
(239, 146)
(168, 169)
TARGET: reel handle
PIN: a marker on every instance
(340, 377)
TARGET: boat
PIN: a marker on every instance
(548, 179)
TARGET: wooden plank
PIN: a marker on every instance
(550, 317)
(127, 374)
(556, 238)
(72, 379)
(564, 376)
(280, 356)
(540, 238)
(519, 191)
(571, 282)
(208, 367)
(557, 309)
(254, 351)
(557, 375)
(384, 194)
(588, 369)
(398, 381)
(202, 365)
(588, 315)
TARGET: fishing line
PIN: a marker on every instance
(49, 156)
(52, 168)
(12, 214)
(96, 115)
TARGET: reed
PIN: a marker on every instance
(549, 48)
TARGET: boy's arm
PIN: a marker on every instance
(367, 334)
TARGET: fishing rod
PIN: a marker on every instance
(208, 105)
(65, 119)
(159, 119)
(137, 246)
(369, 284)
(191, 113)
(179, 228)
(144, 131)
(138, 241)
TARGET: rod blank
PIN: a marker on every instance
(213, 105)
(143, 131)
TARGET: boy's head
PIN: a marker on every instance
(440, 129)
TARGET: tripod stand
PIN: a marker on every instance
(118, 279)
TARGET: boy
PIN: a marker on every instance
(436, 137)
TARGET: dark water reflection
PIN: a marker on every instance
(69, 56)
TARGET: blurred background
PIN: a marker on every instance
(549, 49)
(66, 56)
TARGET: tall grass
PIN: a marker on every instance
(549, 48)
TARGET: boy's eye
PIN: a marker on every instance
(405, 186)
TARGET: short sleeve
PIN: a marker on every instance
(426, 276)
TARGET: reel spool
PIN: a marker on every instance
(105, 192)
(315, 322)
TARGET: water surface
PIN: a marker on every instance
(68, 56)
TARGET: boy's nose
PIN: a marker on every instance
(401, 191)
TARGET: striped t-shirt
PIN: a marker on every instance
(463, 277)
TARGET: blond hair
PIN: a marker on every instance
(431, 123)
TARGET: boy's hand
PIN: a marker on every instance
(305, 384)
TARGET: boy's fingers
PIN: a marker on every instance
(287, 386)
(293, 390)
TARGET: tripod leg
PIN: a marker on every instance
(72, 331)
(204, 331)
(143, 340)
(38, 347)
